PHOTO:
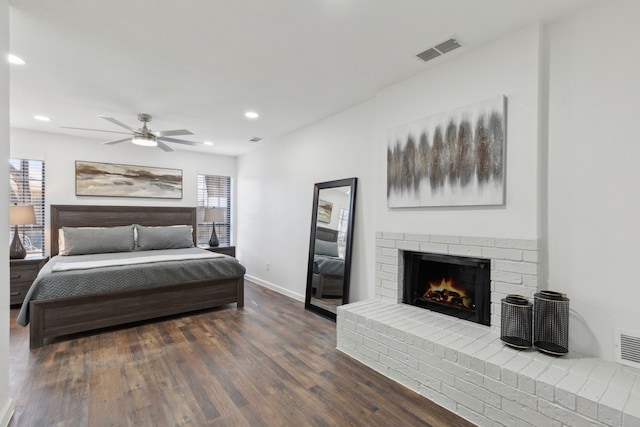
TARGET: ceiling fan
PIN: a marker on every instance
(144, 136)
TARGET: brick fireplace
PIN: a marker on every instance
(463, 366)
(514, 263)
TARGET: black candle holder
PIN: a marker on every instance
(551, 322)
(515, 322)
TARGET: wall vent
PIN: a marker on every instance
(440, 49)
(627, 347)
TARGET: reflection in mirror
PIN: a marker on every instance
(330, 246)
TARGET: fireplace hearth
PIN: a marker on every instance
(454, 285)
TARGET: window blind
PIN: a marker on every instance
(26, 187)
(214, 191)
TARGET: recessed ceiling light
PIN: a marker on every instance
(208, 143)
(251, 115)
(42, 118)
(15, 60)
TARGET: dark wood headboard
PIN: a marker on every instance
(112, 216)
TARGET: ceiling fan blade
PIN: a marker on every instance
(163, 146)
(117, 141)
(180, 141)
(117, 122)
(172, 132)
(96, 130)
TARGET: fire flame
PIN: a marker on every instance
(446, 292)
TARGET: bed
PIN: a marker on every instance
(57, 316)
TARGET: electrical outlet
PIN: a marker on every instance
(268, 265)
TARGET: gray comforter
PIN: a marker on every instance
(49, 284)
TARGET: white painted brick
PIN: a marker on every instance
(546, 382)
(463, 373)
(512, 367)
(463, 398)
(478, 391)
(425, 380)
(375, 365)
(471, 251)
(631, 416)
(438, 238)
(530, 256)
(367, 351)
(505, 276)
(478, 360)
(565, 416)
(528, 414)
(382, 275)
(510, 393)
(516, 267)
(389, 269)
(408, 246)
(502, 253)
(477, 241)
(385, 243)
(611, 405)
(530, 281)
(476, 418)
(402, 377)
(392, 236)
(506, 288)
(588, 397)
(493, 366)
(527, 376)
(417, 237)
(389, 252)
(567, 389)
(378, 235)
(505, 419)
(438, 248)
(387, 260)
(436, 373)
(531, 245)
(438, 398)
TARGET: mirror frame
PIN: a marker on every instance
(347, 182)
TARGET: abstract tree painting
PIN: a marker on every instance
(456, 158)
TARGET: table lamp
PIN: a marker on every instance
(20, 215)
(214, 215)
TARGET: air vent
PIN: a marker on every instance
(440, 49)
(627, 349)
(255, 139)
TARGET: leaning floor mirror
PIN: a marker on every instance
(330, 245)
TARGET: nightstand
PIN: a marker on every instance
(22, 274)
(227, 250)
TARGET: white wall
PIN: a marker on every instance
(5, 400)
(594, 203)
(60, 153)
(275, 194)
(508, 66)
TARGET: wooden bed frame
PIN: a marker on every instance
(63, 316)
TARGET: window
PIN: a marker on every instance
(214, 192)
(26, 187)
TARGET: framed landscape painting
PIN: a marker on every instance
(116, 180)
(456, 158)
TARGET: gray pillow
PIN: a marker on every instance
(171, 237)
(94, 240)
(326, 248)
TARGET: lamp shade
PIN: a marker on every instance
(21, 215)
(214, 214)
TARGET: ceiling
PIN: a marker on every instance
(201, 64)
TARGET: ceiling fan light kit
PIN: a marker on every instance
(144, 140)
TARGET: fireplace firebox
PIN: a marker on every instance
(454, 285)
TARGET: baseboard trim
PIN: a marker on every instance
(273, 287)
(7, 413)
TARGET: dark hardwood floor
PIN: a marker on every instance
(269, 364)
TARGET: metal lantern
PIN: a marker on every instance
(515, 324)
(551, 322)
